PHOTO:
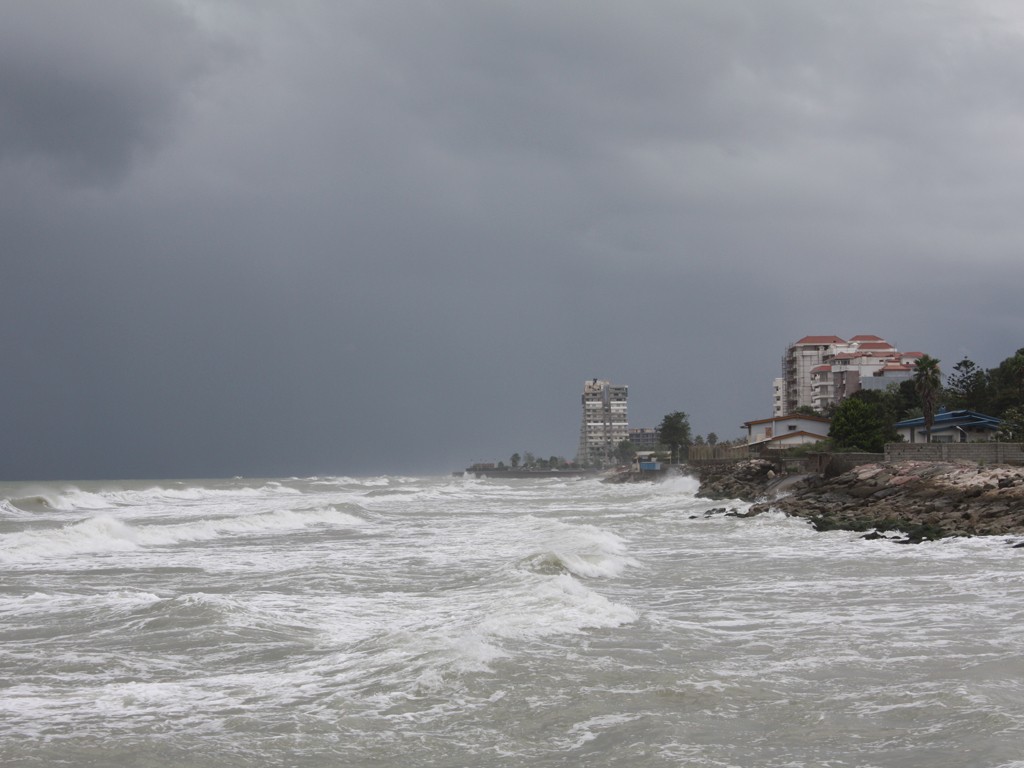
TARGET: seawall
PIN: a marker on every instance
(982, 453)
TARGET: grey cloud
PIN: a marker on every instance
(393, 236)
(86, 87)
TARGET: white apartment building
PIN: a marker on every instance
(820, 371)
(605, 422)
(801, 358)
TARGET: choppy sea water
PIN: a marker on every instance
(400, 621)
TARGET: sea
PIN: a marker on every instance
(460, 621)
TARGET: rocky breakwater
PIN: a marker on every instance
(919, 499)
(746, 480)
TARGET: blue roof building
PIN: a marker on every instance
(951, 427)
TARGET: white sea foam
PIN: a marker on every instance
(424, 645)
(97, 534)
(73, 498)
(553, 605)
(677, 485)
(48, 604)
(587, 731)
(8, 509)
(344, 481)
(107, 533)
(469, 622)
(583, 550)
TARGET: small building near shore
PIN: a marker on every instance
(645, 462)
(951, 427)
(789, 431)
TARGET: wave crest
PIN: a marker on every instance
(106, 533)
(583, 565)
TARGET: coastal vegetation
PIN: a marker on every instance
(528, 461)
(674, 432)
(864, 421)
(994, 391)
(1012, 430)
(927, 385)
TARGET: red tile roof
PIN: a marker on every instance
(820, 340)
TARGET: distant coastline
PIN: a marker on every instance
(521, 474)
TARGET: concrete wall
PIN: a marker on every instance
(985, 453)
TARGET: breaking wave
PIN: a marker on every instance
(584, 551)
(105, 533)
(73, 498)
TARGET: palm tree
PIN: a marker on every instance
(927, 384)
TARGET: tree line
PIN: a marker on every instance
(674, 433)
(528, 461)
(865, 420)
(674, 437)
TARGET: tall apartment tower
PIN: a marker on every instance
(605, 423)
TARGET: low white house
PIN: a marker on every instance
(781, 432)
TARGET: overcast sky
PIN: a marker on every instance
(249, 237)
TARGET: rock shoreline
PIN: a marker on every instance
(921, 500)
(745, 480)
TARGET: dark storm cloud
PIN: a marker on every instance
(84, 88)
(247, 238)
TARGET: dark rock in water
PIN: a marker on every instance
(737, 513)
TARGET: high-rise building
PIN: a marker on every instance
(605, 422)
(821, 371)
